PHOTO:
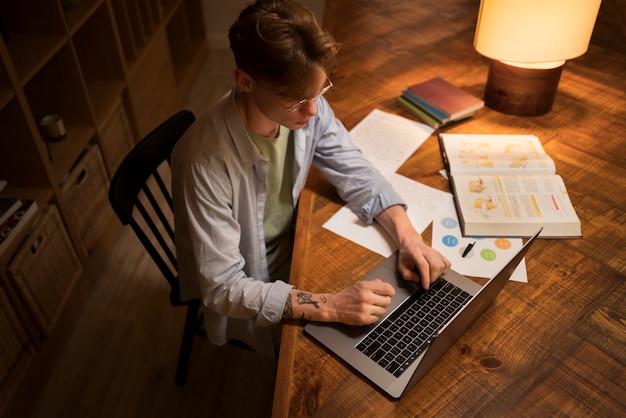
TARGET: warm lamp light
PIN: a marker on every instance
(529, 42)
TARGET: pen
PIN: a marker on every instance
(468, 249)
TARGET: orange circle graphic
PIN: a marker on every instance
(503, 243)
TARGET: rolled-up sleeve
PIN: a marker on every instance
(358, 183)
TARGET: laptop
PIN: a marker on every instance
(419, 327)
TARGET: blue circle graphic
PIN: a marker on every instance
(449, 223)
(450, 241)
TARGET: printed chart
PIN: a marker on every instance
(484, 257)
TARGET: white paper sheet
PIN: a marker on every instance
(487, 256)
(423, 203)
(388, 140)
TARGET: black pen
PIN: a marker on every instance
(468, 249)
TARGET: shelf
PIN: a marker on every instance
(57, 88)
(18, 348)
(149, 17)
(104, 94)
(125, 31)
(112, 70)
(41, 196)
(152, 86)
(195, 22)
(36, 31)
(103, 72)
(64, 153)
(169, 7)
(15, 151)
(179, 41)
(136, 23)
(27, 63)
(6, 90)
(185, 32)
(115, 137)
(75, 18)
(6, 95)
(156, 12)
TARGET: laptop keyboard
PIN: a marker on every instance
(398, 340)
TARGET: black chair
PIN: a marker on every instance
(141, 199)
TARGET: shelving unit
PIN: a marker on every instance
(112, 69)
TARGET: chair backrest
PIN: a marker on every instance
(141, 197)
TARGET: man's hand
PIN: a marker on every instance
(422, 264)
(417, 261)
(362, 303)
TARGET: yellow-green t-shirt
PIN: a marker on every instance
(279, 209)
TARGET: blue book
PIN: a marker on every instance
(425, 106)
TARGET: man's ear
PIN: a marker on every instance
(243, 80)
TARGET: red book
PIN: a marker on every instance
(447, 98)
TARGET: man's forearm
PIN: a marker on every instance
(306, 305)
(396, 222)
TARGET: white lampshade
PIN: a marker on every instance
(533, 31)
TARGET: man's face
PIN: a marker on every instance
(293, 113)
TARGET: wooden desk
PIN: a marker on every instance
(553, 346)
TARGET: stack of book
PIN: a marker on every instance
(14, 215)
(439, 103)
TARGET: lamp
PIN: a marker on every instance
(529, 42)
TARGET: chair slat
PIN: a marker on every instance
(156, 233)
(143, 208)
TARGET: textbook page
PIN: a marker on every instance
(515, 206)
(495, 154)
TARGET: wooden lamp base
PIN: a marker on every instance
(521, 91)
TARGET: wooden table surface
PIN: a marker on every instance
(553, 346)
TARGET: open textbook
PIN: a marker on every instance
(506, 185)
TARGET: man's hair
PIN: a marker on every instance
(281, 43)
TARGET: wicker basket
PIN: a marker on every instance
(16, 352)
(45, 268)
(85, 192)
(116, 138)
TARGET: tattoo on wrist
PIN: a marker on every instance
(288, 311)
(305, 299)
(302, 298)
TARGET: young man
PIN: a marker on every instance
(239, 171)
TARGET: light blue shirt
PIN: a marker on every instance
(219, 191)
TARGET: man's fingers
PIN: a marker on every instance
(382, 288)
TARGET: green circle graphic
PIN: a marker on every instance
(488, 254)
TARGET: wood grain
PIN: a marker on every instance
(553, 346)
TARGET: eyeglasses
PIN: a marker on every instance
(299, 104)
